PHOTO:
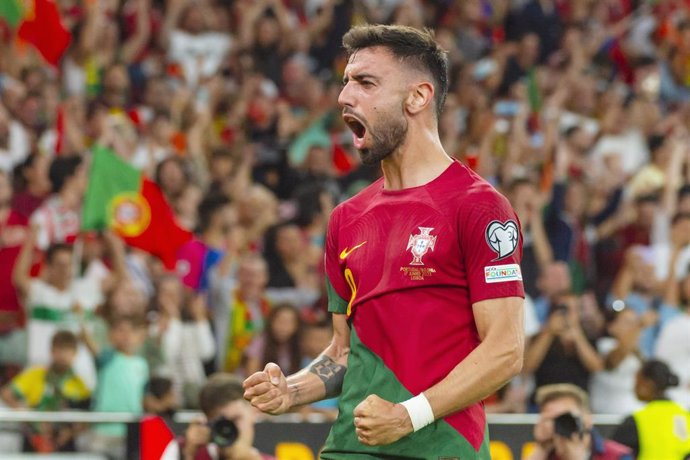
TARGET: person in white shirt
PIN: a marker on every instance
(56, 301)
(673, 346)
(612, 390)
(186, 337)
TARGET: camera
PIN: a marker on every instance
(224, 432)
(567, 425)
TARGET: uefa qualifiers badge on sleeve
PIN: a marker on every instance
(502, 273)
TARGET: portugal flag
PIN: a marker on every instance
(38, 22)
(120, 198)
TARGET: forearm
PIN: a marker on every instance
(616, 357)
(321, 379)
(486, 369)
(587, 354)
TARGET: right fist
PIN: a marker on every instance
(267, 390)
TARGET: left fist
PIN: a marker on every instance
(379, 422)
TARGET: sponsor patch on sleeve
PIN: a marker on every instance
(502, 273)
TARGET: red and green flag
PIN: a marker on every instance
(12, 11)
(38, 23)
(119, 197)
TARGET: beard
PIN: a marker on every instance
(386, 137)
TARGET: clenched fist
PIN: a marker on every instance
(379, 422)
(267, 390)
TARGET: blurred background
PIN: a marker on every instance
(225, 112)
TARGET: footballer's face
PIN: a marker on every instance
(372, 98)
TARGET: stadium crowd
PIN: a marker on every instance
(578, 111)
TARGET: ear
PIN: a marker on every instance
(420, 97)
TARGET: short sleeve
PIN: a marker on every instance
(338, 289)
(491, 244)
(27, 385)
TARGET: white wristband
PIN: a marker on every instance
(420, 411)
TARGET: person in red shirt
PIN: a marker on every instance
(13, 233)
(423, 274)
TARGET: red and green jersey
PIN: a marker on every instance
(406, 267)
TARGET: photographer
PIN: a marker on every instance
(564, 430)
(227, 432)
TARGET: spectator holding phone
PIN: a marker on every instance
(565, 430)
(562, 352)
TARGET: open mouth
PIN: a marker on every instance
(356, 126)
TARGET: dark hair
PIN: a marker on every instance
(159, 386)
(19, 182)
(660, 374)
(61, 169)
(272, 346)
(64, 339)
(210, 205)
(413, 47)
(684, 191)
(55, 248)
(679, 216)
(655, 142)
(519, 182)
(219, 390)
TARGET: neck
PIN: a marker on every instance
(4, 211)
(70, 199)
(214, 238)
(37, 189)
(418, 161)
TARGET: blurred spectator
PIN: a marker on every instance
(565, 430)
(279, 343)
(672, 345)
(53, 387)
(562, 353)
(31, 184)
(612, 389)
(58, 300)
(292, 262)
(184, 329)
(659, 429)
(637, 286)
(160, 398)
(14, 141)
(240, 311)
(196, 259)
(122, 379)
(58, 218)
(13, 234)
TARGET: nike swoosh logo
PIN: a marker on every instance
(346, 252)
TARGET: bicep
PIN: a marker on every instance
(500, 320)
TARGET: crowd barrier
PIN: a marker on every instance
(287, 437)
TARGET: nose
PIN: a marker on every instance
(345, 96)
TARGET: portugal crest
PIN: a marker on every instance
(420, 244)
(129, 214)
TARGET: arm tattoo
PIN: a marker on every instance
(331, 374)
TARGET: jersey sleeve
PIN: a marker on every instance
(336, 284)
(491, 243)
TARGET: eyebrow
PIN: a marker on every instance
(360, 77)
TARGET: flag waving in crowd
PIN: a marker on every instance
(38, 22)
(120, 198)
